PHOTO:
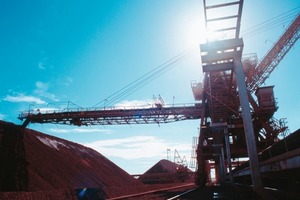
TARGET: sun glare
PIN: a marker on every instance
(220, 22)
(196, 33)
(191, 32)
(214, 35)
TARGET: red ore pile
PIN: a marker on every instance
(38, 166)
(164, 172)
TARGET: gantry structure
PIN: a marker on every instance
(234, 123)
(235, 111)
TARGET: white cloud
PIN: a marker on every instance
(136, 147)
(41, 65)
(2, 116)
(135, 103)
(45, 109)
(24, 98)
(42, 90)
(81, 130)
(68, 81)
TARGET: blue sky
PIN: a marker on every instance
(83, 51)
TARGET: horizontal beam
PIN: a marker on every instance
(222, 5)
(217, 67)
(216, 58)
(222, 45)
(222, 18)
(154, 115)
(225, 29)
(291, 160)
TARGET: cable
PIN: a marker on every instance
(169, 64)
(266, 25)
(130, 85)
(270, 21)
(146, 78)
(144, 82)
(270, 26)
(267, 21)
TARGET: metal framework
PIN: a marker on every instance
(229, 127)
(262, 71)
(228, 123)
(221, 60)
(114, 116)
(211, 17)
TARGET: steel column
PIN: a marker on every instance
(223, 165)
(228, 153)
(248, 126)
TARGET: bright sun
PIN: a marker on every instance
(195, 33)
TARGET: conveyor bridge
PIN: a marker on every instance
(114, 115)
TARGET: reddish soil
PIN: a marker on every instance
(34, 165)
(163, 166)
(38, 166)
(164, 172)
